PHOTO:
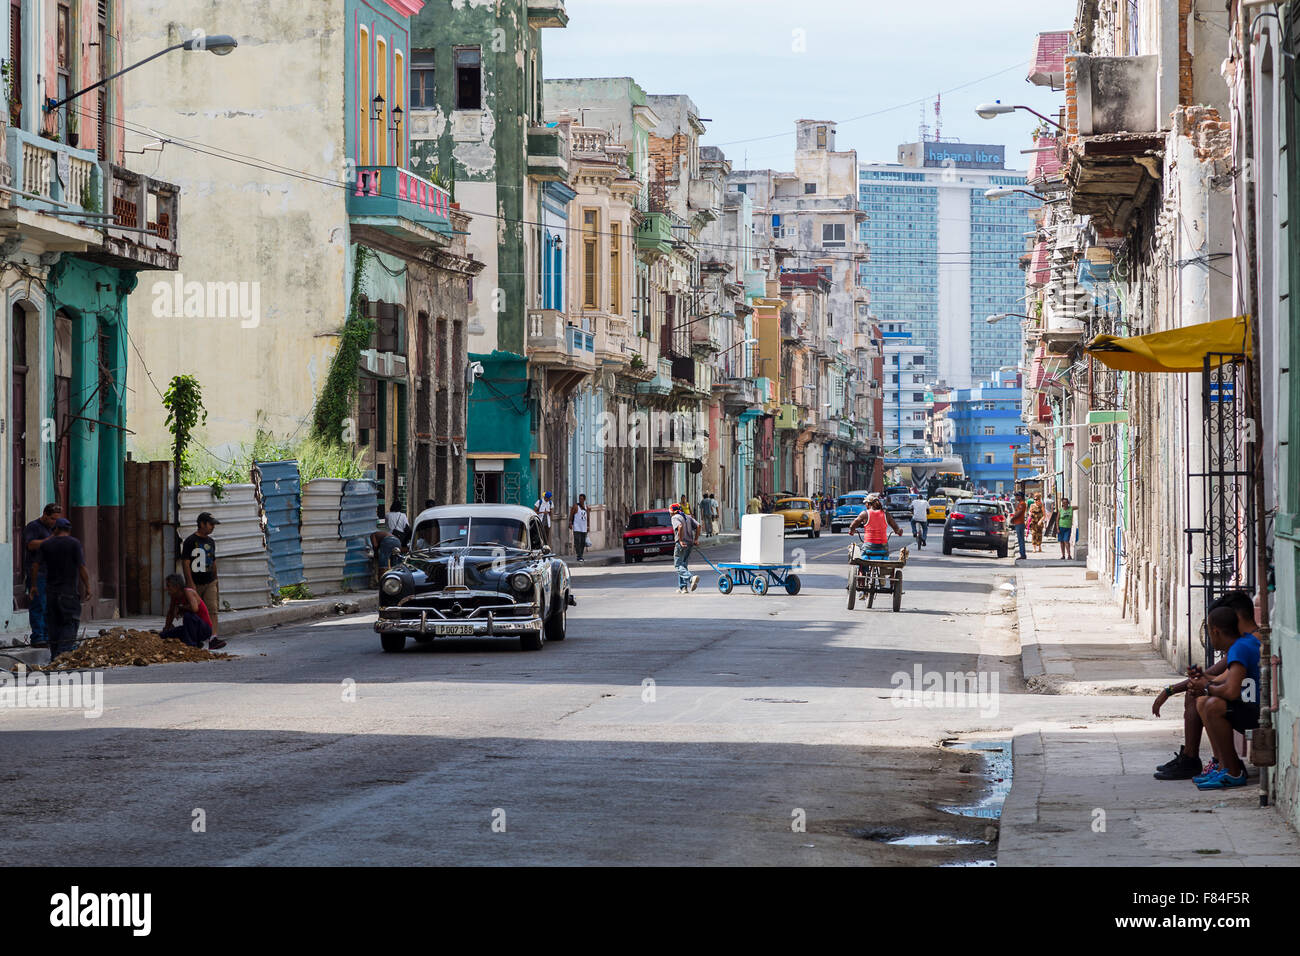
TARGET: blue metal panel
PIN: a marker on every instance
(358, 519)
(279, 495)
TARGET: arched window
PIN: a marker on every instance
(364, 96)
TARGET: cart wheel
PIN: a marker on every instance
(725, 584)
(853, 585)
(758, 584)
(898, 590)
(792, 584)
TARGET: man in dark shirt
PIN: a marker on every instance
(33, 534)
(66, 585)
(199, 561)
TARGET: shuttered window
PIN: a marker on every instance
(615, 268)
(590, 260)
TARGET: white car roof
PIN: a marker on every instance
(517, 512)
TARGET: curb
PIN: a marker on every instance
(253, 619)
(1031, 658)
(1020, 809)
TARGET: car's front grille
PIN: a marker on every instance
(469, 605)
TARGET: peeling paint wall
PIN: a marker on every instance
(278, 98)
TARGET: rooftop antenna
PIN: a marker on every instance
(924, 130)
(938, 117)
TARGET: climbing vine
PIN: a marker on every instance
(334, 405)
(185, 412)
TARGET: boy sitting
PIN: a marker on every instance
(1230, 702)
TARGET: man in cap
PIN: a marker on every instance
(63, 562)
(685, 533)
(33, 534)
(543, 507)
(199, 565)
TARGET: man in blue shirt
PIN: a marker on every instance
(1230, 702)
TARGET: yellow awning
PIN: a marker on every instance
(1177, 350)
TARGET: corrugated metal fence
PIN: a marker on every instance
(279, 495)
(357, 520)
(323, 554)
(242, 566)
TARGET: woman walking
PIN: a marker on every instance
(1036, 523)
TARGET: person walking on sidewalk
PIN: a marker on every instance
(1230, 702)
(1018, 523)
(33, 534)
(754, 506)
(543, 507)
(1187, 761)
(1065, 527)
(1036, 520)
(195, 626)
(684, 531)
(67, 584)
(199, 565)
(578, 525)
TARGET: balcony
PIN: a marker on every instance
(395, 210)
(547, 13)
(52, 178)
(661, 383)
(789, 418)
(644, 361)
(548, 153)
(706, 335)
(655, 234)
(142, 232)
(704, 199)
(554, 342)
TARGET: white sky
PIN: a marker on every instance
(735, 59)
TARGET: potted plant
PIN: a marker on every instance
(70, 123)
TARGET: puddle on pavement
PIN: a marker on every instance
(996, 771)
(934, 839)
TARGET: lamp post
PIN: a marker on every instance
(1002, 192)
(998, 108)
(221, 44)
(1007, 315)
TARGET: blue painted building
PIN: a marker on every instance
(987, 431)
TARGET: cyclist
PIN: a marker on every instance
(920, 520)
(875, 523)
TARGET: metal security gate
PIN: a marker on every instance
(1225, 495)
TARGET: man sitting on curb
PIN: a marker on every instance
(1229, 703)
(195, 627)
(1187, 762)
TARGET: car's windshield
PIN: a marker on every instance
(452, 531)
(982, 509)
(794, 503)
(899, 501)
(650, 519)
(844, 501)
(938, 501)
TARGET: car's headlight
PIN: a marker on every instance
(521, 582)
(391, 585)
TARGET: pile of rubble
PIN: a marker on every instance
(125, 647)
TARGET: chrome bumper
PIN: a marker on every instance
(423, 623)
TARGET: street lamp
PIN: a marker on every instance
(1002, 192)
(1007, 315)
(221, 44)
(997, 108)
(738, 345)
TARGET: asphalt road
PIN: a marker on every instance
(667, 729)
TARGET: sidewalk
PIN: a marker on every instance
(1083, 794)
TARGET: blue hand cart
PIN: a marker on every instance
(759, 577)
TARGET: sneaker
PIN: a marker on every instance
(1222, 780)
(681, 590)
(1182, 767)
(695, 581)
(215, 644)
(1211, 769)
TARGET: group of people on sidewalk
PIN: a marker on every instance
(57, 584)
(1221, 700)
(1036, 516)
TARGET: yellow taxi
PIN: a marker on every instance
(800, 514)
(938, 510)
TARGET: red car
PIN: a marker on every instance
(648, 533)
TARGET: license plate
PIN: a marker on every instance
(651, 550)
(454, 630)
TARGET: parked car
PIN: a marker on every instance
(847, 507)
(473, 571)
(800, 515)
(976, 525)
(938, 510)
(649, 533)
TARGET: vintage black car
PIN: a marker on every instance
(475, 570)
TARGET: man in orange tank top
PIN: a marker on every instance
(875, 522)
